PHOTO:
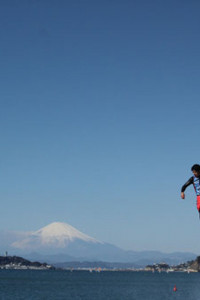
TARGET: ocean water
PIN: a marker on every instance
(29, 284)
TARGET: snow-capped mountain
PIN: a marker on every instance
(60, 242)
(56, 235)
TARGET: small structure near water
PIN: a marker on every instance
(190, 266)
(19, 263)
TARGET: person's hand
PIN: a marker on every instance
(182, 195)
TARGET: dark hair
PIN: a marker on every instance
(195, 168)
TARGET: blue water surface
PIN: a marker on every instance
(51, 284)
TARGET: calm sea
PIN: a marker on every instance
(15, 284)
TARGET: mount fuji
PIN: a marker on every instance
(60, 242)
(53, 236)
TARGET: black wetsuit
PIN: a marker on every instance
(196, 183)
(189, 182)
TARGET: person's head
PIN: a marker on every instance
(196, 170)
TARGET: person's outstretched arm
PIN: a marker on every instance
(190, 181)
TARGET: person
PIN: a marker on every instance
(195, 180)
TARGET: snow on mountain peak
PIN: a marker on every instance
(64, 230)
(56, 234)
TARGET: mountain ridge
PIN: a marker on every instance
(60, 242)
(56, 234)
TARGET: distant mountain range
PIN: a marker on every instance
(60, 242)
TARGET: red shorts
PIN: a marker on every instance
(198, 203)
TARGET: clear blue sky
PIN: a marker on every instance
(99, 119)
